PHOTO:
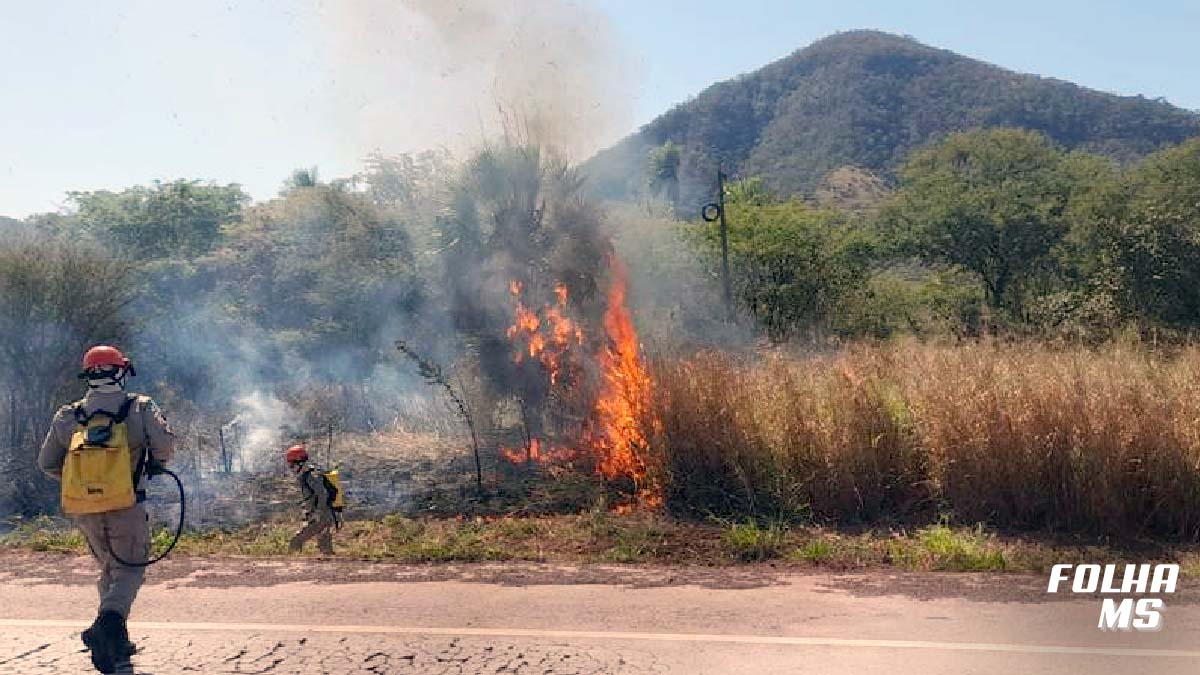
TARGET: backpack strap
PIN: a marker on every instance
(124, 411)
(144, 457)
(305, 489)
(83, 417)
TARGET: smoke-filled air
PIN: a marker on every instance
(841, 290)
(423, 74)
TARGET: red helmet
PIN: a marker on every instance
(297, 453)
(104, 355)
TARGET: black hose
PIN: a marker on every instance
(178, 528)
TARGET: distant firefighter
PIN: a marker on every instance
(322, 499)
(101, 449)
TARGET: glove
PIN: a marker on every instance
(154, 468)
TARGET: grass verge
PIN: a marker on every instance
(602, 537)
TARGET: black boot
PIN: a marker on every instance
(108, 641)
(130, 647)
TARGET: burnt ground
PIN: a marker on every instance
(382, 474)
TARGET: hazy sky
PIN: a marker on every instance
(108, 95)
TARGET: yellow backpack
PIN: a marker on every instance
(338, 499)
(332, 482)
(96, 474)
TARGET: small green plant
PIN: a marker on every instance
(748, 541)
(941, 547)
(634, 542)
(463, 543)
(816, 551)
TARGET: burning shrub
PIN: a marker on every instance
(528, 265)
(518, 240)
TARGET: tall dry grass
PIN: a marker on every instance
(1019, 436)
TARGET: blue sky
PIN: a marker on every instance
(107, 95)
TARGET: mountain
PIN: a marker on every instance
(867, 99)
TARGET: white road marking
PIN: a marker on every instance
(617, 635)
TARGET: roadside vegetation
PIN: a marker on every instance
(600, 537)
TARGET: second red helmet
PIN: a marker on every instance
(101, 356)
(297, 453)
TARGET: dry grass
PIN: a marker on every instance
(887, 454)
(1023, 436)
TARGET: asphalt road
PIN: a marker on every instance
(282, 617)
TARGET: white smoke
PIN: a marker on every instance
(256, 435)
(416, 74)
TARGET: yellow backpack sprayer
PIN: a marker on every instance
(334, 478)
(335, 497)
(96, 473)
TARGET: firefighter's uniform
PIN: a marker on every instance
(103, 500)
(318, 512)
(127, 531)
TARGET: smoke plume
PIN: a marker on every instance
(422, 73)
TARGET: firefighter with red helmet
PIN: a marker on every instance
(101, 449)
(320, 501)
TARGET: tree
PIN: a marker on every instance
(1138, 235)
(408, 181)
(663, 171)
(57, 298)
(792, 265)
(990, 202)
(519, 230)
(322, 269)
(11, 226)
(302, 178)
(179, 219)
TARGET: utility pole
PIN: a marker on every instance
(226, 465)
(713, 212)
(724, 243)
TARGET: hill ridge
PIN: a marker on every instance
(867, 98)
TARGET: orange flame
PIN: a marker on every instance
(622, 407)
(514, 455)
(540, 453)
(548, 337)
(615, 436)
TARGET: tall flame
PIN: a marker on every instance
(622, 408)
(615, 434)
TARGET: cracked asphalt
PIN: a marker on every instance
(301, 617)
(167, 653)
